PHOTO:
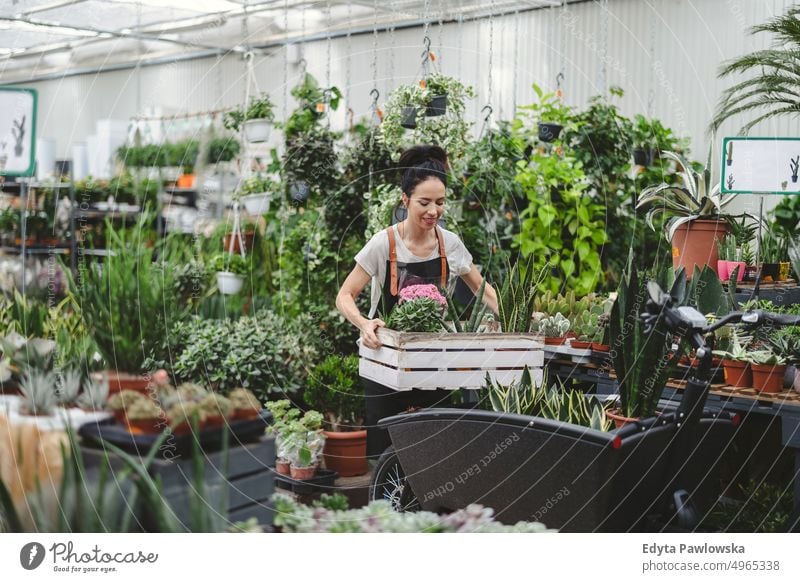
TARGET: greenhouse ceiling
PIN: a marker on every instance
(44, 36)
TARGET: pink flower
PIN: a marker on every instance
(417, 291)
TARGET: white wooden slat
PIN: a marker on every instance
(454, 359)
(429, 380)
(456, 341)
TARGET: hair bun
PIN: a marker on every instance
(420, 154)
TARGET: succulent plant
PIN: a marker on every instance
(94, 395)
(68, 386)
(184, 412)
(554, 326)
(189, 391)
(215, 405)
(124, 399)
(143, 408)
(39, 392)
(243, 399)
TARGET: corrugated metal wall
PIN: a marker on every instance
(677, 82)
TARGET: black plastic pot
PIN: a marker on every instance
(437, 106)
(549, 131)
(644, 157)
(770, 272)
(409, 117)
(299, 191)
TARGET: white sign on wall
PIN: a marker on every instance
(760, 165)
(17, 131)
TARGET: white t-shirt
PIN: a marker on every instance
(375, 253)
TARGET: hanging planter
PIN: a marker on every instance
(300, 191)
(231, 270)
(256, 194)
(644, 157)
(229, 283)
(409, 117)
(256, 120)
(437, 106)
(549, 132)
(257, 130)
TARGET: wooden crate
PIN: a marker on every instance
(450, 360)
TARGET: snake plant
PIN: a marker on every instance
(695, 199)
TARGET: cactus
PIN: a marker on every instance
(124, 400)
(143, 408)
(216, 405)
(68, 387)
(243, 399)
(18, 131)
(38, 392)
(94, 395)
(555, 326)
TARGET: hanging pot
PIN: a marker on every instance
(408, 118)
(257, 130)
(300, 191)
(437, 106)
(257, 204)
(229, 283)
(549, 131)
(644, 157)
(247, 239)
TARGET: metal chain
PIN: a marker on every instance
(441, 33)
(491, 52)
(390, 77)
(348, 62)
(328, 24)
(426, 27)
(286, 59)
(651, 93)
(460, 36)
(515, 72)
(375, 44)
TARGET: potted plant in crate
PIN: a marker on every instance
(419, 308)
(256, 119)
(231, 269)
(554, 329)
(587, 329)
(696, 214)
(256, 193)
(305, 444)
(335, 388)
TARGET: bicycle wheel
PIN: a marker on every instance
(389, 483)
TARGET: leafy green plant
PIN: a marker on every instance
(786, 343)
(695, 199)
(554, 326)
(641, 360)
(549, 108)
(259, 107)
(760, 507)
(546, 400)
(515, 301)
(128, 304)
(257, 184)
(423, 315)
(335, 388)
(231, 263)
(222, 149)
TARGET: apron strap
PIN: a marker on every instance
(392, 261)
(440, 239)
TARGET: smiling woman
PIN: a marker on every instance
(414, 252)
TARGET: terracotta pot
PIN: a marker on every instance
(247, 237)
(600, 347)
(346, 452)
(793, 373)
(119, 381)
(555, 341)
(737, 373)
(282, 467)
(302, 473)
(618, 418)
(245, 414)
(216, 421)
(146, 425)
(186, 181)
(579, 345)
(768, 378)
(695, 243)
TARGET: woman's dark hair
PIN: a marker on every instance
(421, 162)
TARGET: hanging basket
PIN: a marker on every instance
(409, 117)
(549, 132)
(229, 283)
(437, 106)
(644, 157)
(257, 204)
(300, 191)
(257, 130)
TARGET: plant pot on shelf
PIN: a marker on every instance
(346, 452)
(186, 181)
(229, 283)
(257, 204)
(245, 414)
(171, 173)
(644, 157)
(437, 106)
(785, 269)
(695, 243)
(408, 117)
(119, 381)
(581, 345)
(768, 378)
(282, 467)
(723, 270)
(247, 238)
(619, 419)
(752, 273)
(549, 132)
(732, 266)
(257, 130)
(603, 348)
(770, 272)
(737, 373)
(555, 341)
(145, 425)
(302, 473)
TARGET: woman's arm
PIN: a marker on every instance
(346, 304)
(473, 279)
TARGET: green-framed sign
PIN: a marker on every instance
(760, 165)
(17, 131)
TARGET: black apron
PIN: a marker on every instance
(381, 401)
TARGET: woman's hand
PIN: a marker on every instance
(369, 333)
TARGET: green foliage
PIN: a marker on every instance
(641, 360)
(259, 107)
(515, 301)
(422, 314)
(310, 158)
(547, 400)
(231, 263)
(222, 149)
(760, 508)
(335, 388)
(128, 304)
(312, 102)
